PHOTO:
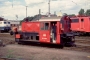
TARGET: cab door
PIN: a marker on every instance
(82, 24)
(44, 33)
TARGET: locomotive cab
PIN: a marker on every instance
(50, 32)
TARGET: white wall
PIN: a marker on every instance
(14, 22)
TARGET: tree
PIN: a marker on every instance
(65, 14)
(29, 18)
(71, 15)
(1, 18)
(81, 12)
(87, 12)
(38, 16)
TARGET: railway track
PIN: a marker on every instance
(29, 51)
(82, 44)
(79, 47)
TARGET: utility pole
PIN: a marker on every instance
(74, 2)
(16, 17)
(12, 3)
(39, 11)
(49, 8)
(39, 15)
(26, 11)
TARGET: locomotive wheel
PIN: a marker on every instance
(61, 46)
(19, 42)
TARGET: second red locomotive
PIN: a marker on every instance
(80, 25)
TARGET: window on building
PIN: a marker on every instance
(8, 22)
(4, 22)
(11, 24)
(0, 22)
(14, 24)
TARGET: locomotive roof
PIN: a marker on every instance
(50, 19)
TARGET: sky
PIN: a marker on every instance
(11, 9)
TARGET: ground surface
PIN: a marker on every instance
(45, 52)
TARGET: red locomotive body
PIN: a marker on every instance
(45, 32)
(80, 24)
(40, 31)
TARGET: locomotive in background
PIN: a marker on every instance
(4, 25)
(8, 25)
(80, 25)
(46, 31)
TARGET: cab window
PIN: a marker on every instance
(75, 20)
(44, 26)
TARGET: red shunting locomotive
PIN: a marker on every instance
(46, 32)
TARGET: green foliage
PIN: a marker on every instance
(71, 15)
(10, 54)
(37, 17)
(1, 18)
(31, 18)
(87, 12)
(81, 12)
